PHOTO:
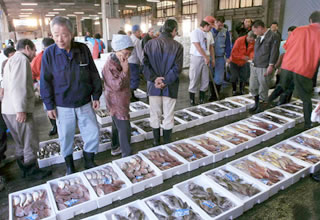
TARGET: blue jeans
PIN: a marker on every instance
(134, 75)
(219, 70)
(67, 119)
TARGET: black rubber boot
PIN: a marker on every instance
(202, 97)
(167, 136)
(218, 90)
(256, 105)
(53, 130)
(213, 96)
(88, 160)
(234, 88)
(34, 172)
(21, 166)
(241, 88)
(192, 97)
(275, 94)
(133, 97)
(69, 164)
(156, 136)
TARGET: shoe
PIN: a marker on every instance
(69, 164)
(202, 96)
(275, 94)
(167, 136)
(32, 170)
(256, 105)
(88, 160)
(116, 151)
(156, 136)
(234, 93)
(53, 130)
(316, 176)
(192, 96)
(133, 97)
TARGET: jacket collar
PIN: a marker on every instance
(74, 49)
(166, 35)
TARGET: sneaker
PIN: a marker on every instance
(116, 151)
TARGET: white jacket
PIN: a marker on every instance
(137, 53)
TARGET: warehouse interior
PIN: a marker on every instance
(31, 19)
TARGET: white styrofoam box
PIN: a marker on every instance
(96, 217)
(167, 174)
(147, 183)
(247, 97)
(249, 103)
(107, 145)
(147, 134)
(140, 137)
(284, 125)
(204, 181)
(122, 193)
(136, 113)
(192, 123)
(316, 90)
(221, 114)
(291, 122)
(314, 167)
(213, 115)
(81, 208)
(235, 110)
(102, 101)
(30, 190)
(255, 140)
(316, 129)
(249, 202)
(192, 165)
(140, 94)
(104, 120)
(301, 144)
(219, 155)
(295, 176)
(178, 194)
(299, 117)
(270, 133)
(122, 210)
(240, 147)
(284, 183)
(292, 108)
(180, 127)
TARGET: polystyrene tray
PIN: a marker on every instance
(289, 124)
(104, 120)
(298, 120)
(136, 113)
(249, 202)
(147, 183)
(254, 140)
(270, 134)
(140, 137)
(220, 114)
(177, 170)
(140, 94)
(192, 123)
(96, 217)
(105, 146)
(180, 127)
(77, 209)
(297, 109)
(123, 193)
(241, 108)
(204, 181)
(304, 135)
(204, 119)
(39, 187)
(243, 101)
(147, 135)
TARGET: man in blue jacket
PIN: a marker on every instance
(163, 59)
(70, 87)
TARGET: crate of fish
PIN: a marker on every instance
(194, 155)
(315, 132)
(306, 140)
(272, 128)
(105, 139)
(103, 116)
(219, 149)
(292, 108)
(144, 126)
(212, 200)
(108, 183)
(269, 117)
(250, 192)
(247, 96)
(141, 173)
(137, 134)
(189, 118)
(271, 177)
(134, 210)
(233, 138)
(138, 109)
(168, 162)
(299, 103)
(31, 203)
(296, 117)
(179, 125)
(242, 101)
(296, 168)
(206, 114)
(172, 204)
(72, 195)
(140, 94)
(236, 107)
(221, 111)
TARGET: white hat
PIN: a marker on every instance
(121, 42)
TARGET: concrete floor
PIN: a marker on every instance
(299, 201)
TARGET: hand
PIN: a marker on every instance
(228, 60)
(21, 117)
(246, 58)
(159, 83)
(207, 60)
(95, 104)
(269, 70)
(318, 109)
(124, 63)
(52, 114)
(213, 62)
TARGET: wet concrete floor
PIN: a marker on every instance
(300, 201)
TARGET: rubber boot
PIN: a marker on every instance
(156, 136)
(241, 88)
(213, 96)
(21, 166)
(167, 136)
(256, 104)
(69, 164)
(192, 101)
(133, 97)
(32, 170)
(218, 90)
(234, 88)
(202, 96)
(275, 94)
(53, 130)
(88, 160)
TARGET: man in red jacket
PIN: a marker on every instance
(301, 61)
(242, 51)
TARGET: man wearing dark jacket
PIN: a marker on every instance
(163, 59)
(149, 36)
(266, 52)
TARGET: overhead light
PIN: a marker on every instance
(59, 9)
(97, 18)
(71, 15)
(93, 15)
(24, 16)
(97, 23)
(53, 12)
(50, 15)
(27, 4)
(26, 9)
(153, 0)
(99, 13)
(26, 13)
(66, 3)
(78, 12)
(119, 10)
(97, 5)
(85, 18)
(131, 6)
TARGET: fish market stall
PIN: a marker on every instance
(222, 111)
(206, 114)
(189, 118)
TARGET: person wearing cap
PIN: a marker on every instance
(201, 49)
(70, 87)
(135, 60)
(116, 74)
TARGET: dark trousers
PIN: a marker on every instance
(3, 137)
(304, 89)
(134, 75)
(238, 73)
(121, 136)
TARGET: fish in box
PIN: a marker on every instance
(187, 151)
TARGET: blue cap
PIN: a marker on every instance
(135, 28)
(121, 42)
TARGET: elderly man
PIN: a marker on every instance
(201, 49)
(70, 87)
(266, 52)
(18, 107)
(149, 36)
(163, 59)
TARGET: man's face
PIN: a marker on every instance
(258, 30)
(62, 36)
(207, 28)
(11, 54)
(31, 53)
(151, 33)
(137, 34)
(274, 27)
(219, 25)
(247, 23)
